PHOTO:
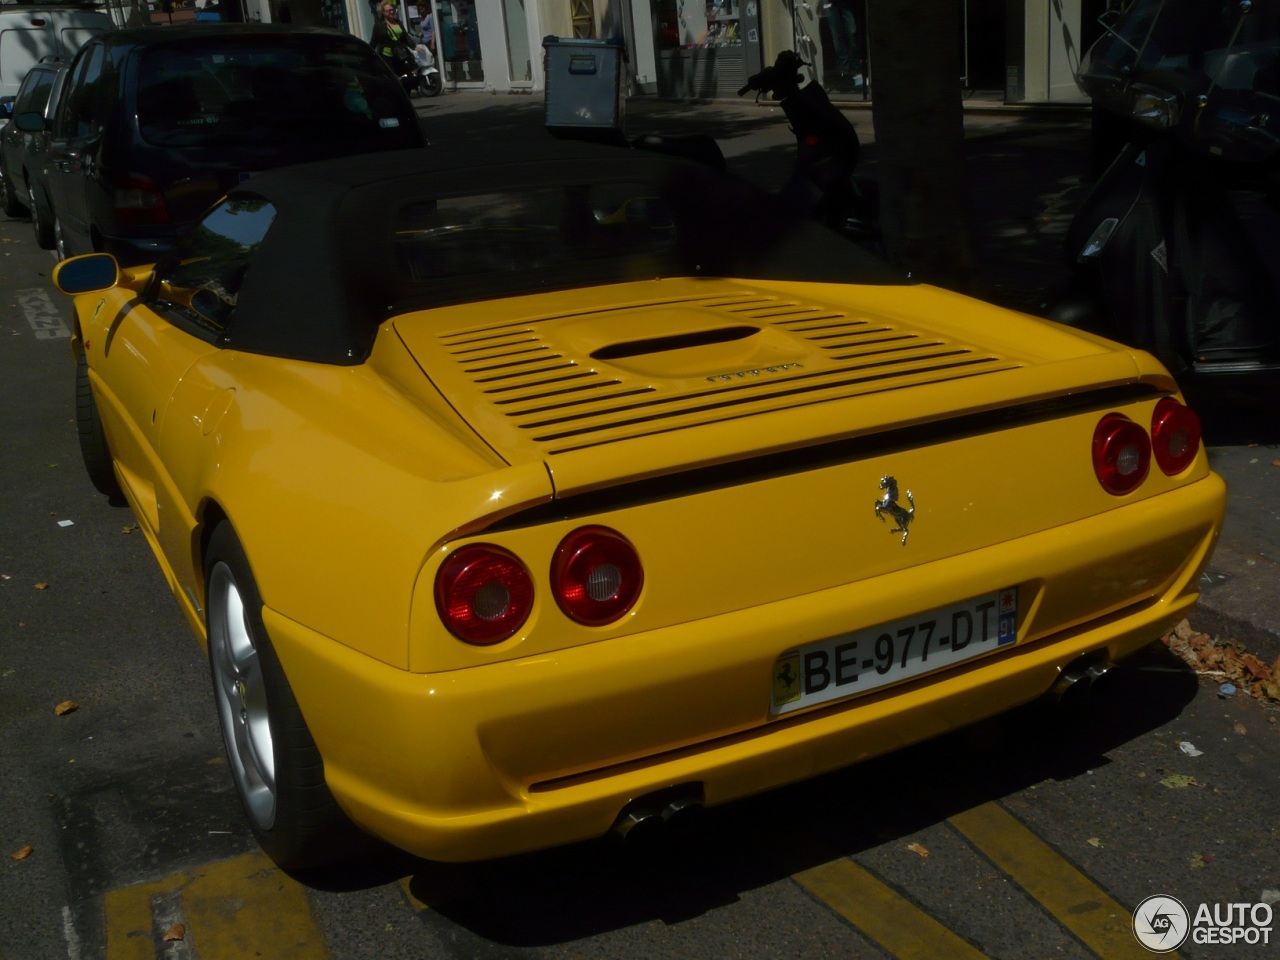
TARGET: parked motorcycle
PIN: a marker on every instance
(1176, 248)
(416, 67)
(827, 151)
(429, 81)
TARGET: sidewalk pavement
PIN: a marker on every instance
(1027, 169)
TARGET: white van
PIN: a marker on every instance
(29, 32)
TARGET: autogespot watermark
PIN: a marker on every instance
(1162, 924)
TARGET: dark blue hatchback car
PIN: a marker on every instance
(156, 125)
(24, 148)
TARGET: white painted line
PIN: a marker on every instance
(43, 317)
(69, 933)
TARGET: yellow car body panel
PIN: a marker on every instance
(546, 749)
(743, 459)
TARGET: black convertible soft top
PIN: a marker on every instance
(359, 239)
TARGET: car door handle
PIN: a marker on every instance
(68, 161)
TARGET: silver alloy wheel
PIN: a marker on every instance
(241, 692)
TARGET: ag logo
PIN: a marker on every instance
(1161, 924)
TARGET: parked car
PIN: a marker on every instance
(30, 33)
(24, 149)
(1176, 246)
(156, 124)
(517, 498)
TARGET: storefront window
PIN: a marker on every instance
(692, 24)
(459, 37)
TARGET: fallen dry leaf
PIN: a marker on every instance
(128, 530)
(1276, 462)
(42, 585)
(1197, 861)
(23, 853)
(1180, 780)
(1094, 841)
(65, 707)
(176, 932)
(1241, 729)
(1224, 660)
(918, 849)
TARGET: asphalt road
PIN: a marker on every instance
(1029, 836)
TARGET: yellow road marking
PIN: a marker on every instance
(414, 903)
(903, 929)
(1099, 922)
(243, 907)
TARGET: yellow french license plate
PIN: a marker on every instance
(862, 660)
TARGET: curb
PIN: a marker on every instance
(977, 106)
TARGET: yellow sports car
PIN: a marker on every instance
(524, 499)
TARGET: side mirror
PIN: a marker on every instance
(29, 122)
(85, 274)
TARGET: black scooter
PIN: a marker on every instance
(827, 151)
(1176, 248)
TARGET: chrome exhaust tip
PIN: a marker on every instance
(1077, 685)
(648, 817)
(637, 825)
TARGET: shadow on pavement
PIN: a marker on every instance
(571, 893)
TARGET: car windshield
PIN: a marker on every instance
(290, 90)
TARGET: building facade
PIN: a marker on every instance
(1026, 50)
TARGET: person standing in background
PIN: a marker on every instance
(843, 21)
(427, 25)
(389, 38)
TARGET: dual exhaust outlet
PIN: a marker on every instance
(671, 811)
(1079, 683)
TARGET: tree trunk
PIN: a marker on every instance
(919, 128)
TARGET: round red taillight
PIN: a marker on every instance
(596, 575)
(483, 593)
(1121, 453)
(1175, 436)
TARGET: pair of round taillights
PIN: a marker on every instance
(484, 593)
(1123, 450)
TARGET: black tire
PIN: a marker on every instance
(432, 85)
(9, 197)
(93, 441)
(41, 221)
(275, 764)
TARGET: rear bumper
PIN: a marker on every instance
(515, 755)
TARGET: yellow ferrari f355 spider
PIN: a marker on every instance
(519, 501)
